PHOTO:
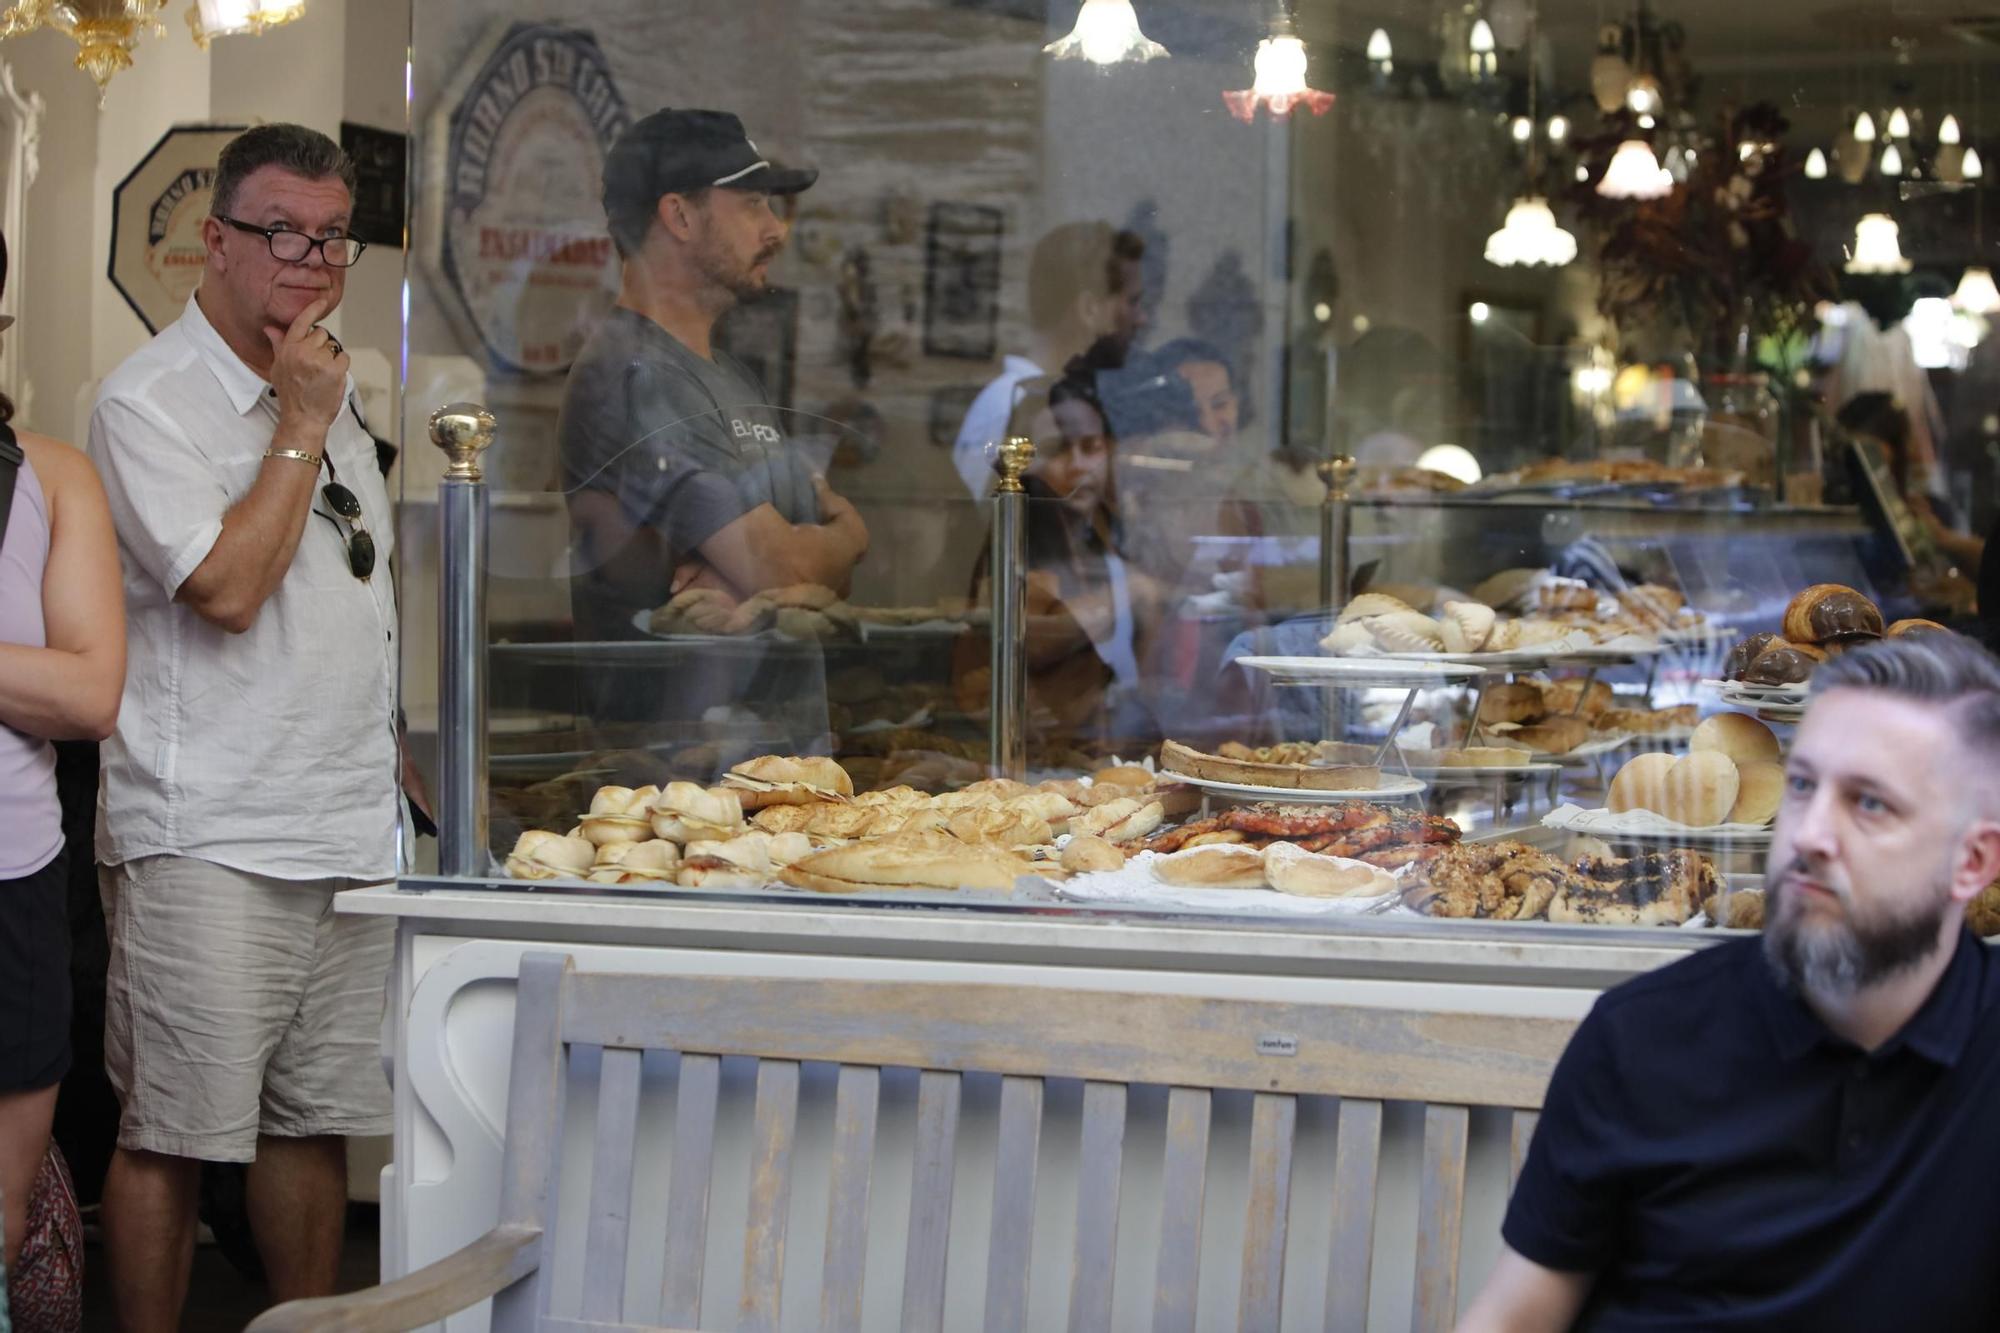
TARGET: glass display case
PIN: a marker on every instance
(1304, 435)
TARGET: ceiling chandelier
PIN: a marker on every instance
(1106, 33)
(1976, 294)
(1280, 82)
(1530, 235)
(106, 32)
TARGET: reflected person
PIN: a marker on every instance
(1086, 293)
(678, 471)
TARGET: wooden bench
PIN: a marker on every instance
(1195, 1047)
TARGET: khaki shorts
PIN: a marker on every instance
(240, 1005)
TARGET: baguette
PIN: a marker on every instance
(927, 860)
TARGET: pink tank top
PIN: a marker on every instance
(30, 815)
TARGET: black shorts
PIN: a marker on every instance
(34, 978)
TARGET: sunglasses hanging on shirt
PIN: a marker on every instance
(344, 504)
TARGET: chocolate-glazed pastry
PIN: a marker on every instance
(1746, 652)
(1786, 665)
(1905, 628)
(1831, 611)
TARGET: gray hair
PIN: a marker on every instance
(301, 151)
(1946, 669)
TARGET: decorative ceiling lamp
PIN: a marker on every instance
(1610, 76)
(210, 19)
(1635, 173)
(1530, 236)
(1481, 62)
(1948, 129)
(1106, 33)
(1973, 168)
(106, 32)
(1892, 161)
(1558, 128)
(1899, 124)
(1976, 294)
(1381, 54)
(1280, 81)
(1816, 165)
(1876, 247)
(1864, 128)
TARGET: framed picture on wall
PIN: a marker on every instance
(962, 280)
(763, 335)
(381, 172)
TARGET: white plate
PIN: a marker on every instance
(1438, 776)
(1358, 671)
(1645, 826)
(1393, 784)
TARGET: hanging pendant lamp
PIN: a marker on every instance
(1106, 33)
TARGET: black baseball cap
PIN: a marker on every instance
(677, 150)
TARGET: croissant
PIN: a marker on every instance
(1831, 611)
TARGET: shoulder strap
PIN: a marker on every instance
(11, 458)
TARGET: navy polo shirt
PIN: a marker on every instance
(1721, 1160)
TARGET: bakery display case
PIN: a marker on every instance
(1001, 533)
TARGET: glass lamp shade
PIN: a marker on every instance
(1106, 33)
(1877, 247)
(225, 18)
(1892, 161)
(1948, 129)
(1976, 294)
(1381, 54)
(1643, 97)
(1971, 168)
(1530, 236)
(1480, 59)
(1899, 124)
(1816, 165)
(1280, 82)
(1864, 128)
(1635, 173)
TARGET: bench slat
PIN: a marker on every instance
(611, 1185)
(773, 1126)
(1046, 1032)
(930, 1201)
(687, 1189)
(1010, 1243)
(1273, 1121)
(1183, 1182)
(1100, 1166)
(1523, 1133)
(856, 1101)
(1357, 1157)
(1440, 1212)
(537, 1098)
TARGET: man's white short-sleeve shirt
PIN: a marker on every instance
(272, 751)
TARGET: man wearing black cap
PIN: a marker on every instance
(677, 468)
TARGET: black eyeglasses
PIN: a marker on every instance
(292, 247)
(360, 546)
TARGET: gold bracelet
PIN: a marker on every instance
(296, 455)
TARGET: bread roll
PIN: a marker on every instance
(1289, 868)
(739, 863)
(686, 812)
(1000, 827)
(1217, 866)
(1700, 789)
(540, 854)
(1760, 789)
(1124, 775)
(1086, 853)
(1738, 735)
(1640, 785)
(774, 779)
(1828, 611)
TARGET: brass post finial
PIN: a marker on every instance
(1336, 473)
(464, 431)
(1012, 459)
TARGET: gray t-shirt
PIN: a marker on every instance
(685, 445)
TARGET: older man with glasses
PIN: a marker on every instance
(255, 769)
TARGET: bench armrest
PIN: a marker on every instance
(495, 1261)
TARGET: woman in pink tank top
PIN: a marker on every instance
(62, 670)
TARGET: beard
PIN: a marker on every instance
(1844, 956)
(739, 279)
